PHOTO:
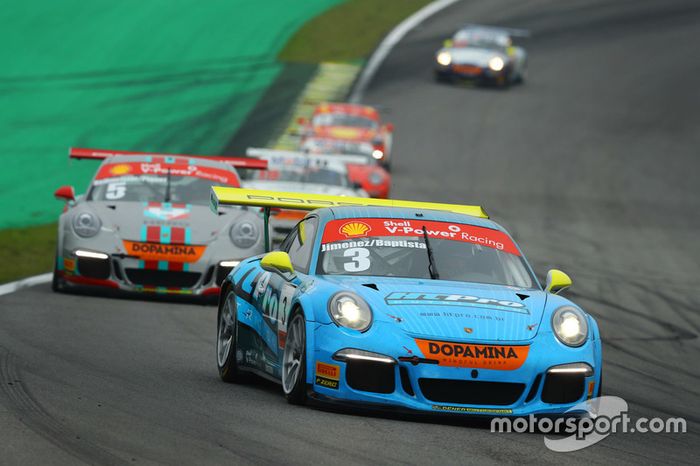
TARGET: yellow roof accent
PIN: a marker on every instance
(221, 195)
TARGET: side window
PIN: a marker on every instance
(301, 243)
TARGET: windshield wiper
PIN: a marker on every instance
(167, 187)
(431, 258)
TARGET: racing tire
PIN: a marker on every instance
(57, 283)
(226, 348)
(294, 360)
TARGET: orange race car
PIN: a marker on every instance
(351, 122)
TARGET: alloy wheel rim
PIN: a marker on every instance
(293, 354)
(225, 337)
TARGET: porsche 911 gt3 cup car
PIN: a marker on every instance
(350, 122)
(428, 307)
(371, 175)
(304, 173)
(144, 225)
(483, 54)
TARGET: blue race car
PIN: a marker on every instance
(428, 307)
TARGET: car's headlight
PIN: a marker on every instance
(496, 63)
(350, 311)
(375, 178)
(444, 58)
(377, 154)
(86, 224)
(570, 325)
(244, 235)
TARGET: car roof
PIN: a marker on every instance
(334, 213)
(350, 109)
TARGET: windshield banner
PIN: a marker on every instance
(114, 170)
(357, 228)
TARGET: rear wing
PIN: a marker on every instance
(100, 154)
(513, 32)
(221, 195)
(286, 157)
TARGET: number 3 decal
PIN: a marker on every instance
(360, 260)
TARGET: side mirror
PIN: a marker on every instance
(448, 43)
(67, 193)
(557, 281)
(389, 127)
(277, 261)
(301, 121)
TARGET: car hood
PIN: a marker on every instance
(448, 310)
(130, 220)
(473, 56)
(299, 187)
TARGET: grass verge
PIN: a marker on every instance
(347, 32)
(27, 251)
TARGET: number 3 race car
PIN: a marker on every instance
(144, 225)
(428, 307)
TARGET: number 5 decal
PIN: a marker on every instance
(360, 260)
(115, 191)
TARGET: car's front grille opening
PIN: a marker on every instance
(117, 270)
(166, 278)
(469, 392)
(406, 381)
(533, 390)
(563, 388)
(208, 274)
(222, 273)
(94, 268)
(370, 376)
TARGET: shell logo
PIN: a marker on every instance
(354, 229)
(120, 169)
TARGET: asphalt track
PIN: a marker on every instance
(592, 164)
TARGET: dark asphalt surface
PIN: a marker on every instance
(592, 164)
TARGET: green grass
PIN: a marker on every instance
(27, 251)
(347, 32)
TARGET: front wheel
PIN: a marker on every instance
(294, 361)
(57, 283)
(226, 334)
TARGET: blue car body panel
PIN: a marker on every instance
(406, 311)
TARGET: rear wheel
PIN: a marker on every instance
(294, 360)
(226, 334)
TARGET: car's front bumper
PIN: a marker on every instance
(131, 275)
(480, 74)
(431, 387)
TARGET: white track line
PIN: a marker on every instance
(390, 41)
(11, 287)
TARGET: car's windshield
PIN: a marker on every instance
(307, 175)
(141, 183)
(343, 119)
(481, 38)
(397, 248)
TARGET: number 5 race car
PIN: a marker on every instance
(428, 307)
(144, 225)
